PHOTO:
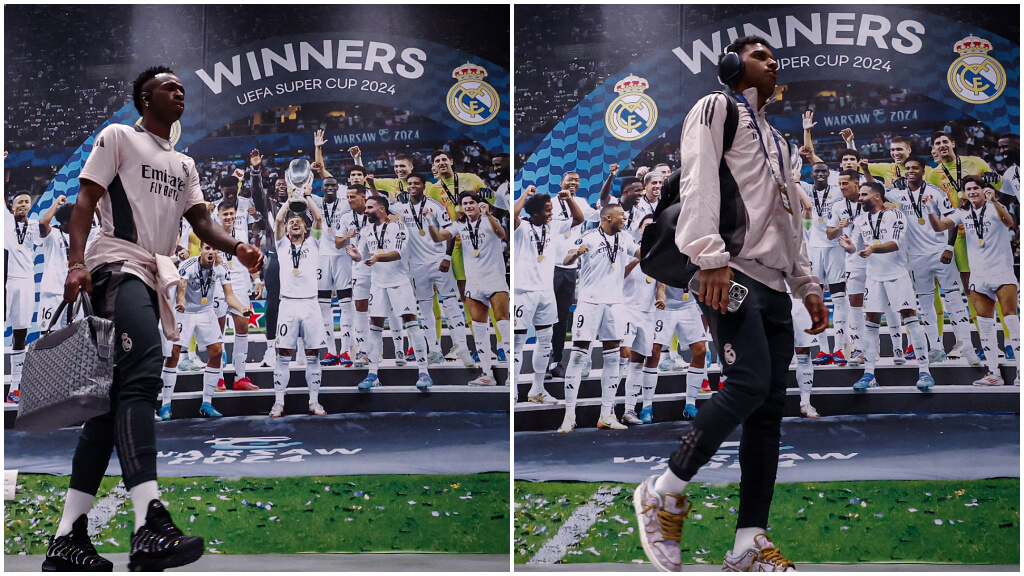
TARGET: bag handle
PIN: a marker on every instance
(83, 301)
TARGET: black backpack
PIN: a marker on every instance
(659, 257)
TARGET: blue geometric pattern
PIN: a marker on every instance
(581, 143)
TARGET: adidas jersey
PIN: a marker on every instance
(635, 215)
(242, 218)
(333, 213)
(20, 241)
(968, 166)
(238, 274)
(567, 240)
(202, 284)
(149, 187)
(447, 190)
(379, 239)
(821, 209)
(890, 171)
(916, 204)
(639, 290)
(1011, 182)
(846, 210)
(422, 249)
(536, 254)
(55, 261)
(893, 228)
(995, 256)
(299, 266)
(356, 222)
(600, 279)
(484, 261)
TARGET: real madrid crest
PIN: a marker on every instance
(175, 134)
(472, 101)
(975, 76)
(633, 114)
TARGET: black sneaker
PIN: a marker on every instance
(159, 544)
(558, 371)
(74, 552)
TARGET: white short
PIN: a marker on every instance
(801, 322)
(534, 308)
(243, 297)
(398, 300)
(334, 273)
(925, 268)
(360, 286)
(481, 290)
(424, 278)
(880, 295)
(855, 279)
(48, 305)
(21, 302)
(166, 346)
(203, 325)
(637, 329)
(595, 322)
(828, 263)
(687, 324)
(988, 284)
(300, 318)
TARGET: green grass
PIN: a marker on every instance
(453, 514)
(959, 522)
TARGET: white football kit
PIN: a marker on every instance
(601, 280)
(390, 286)
(924, 245)
(299, 315)
(55, 271)
(988, 249)
(535, 272)
(200, 318)
(20, 240)
(422, 253)
(483, 257)
(827, 256)
(888, 275)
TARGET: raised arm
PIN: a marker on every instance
(279, 222)
(606, 187)
(521, 202)
(808, 148)
(499, 230)
(435, 234)
(318, 155)
(44, 221)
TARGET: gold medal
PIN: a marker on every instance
(380, 252)
(540, 258)
(476, 252)
(423, 232)
(613, 265)
(920, 221)
(330, 230)
(22, 247)
(686, 295)
(821, 219)
(295, 272)
(649, 279)
(981, 241)
(567, 234)
(204, 300)
(877, 242)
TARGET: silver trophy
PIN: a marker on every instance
(298, 176)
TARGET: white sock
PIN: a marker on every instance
(959, 317)
(855, 325)
(314, 375)
(839, 303)
(141, 496)
(804, 377)
(634, 384)
(345, 315)
(609, 381)
(76, 503)
(456, 317)
(327, 311)
(871, 349)
(17, 365)
(270, 352)
(395, 326)
(1013, 327)
(483, 345)
(503, 334)
(669, 483)
(989, 343)
(894, 322)
(930, 320)
(745, 539)
(541, 357)
(429, 325)
(169, 377)
(920, 342)
(419, 344)
(375, 347)
(694, 378)
(210, 378)
(281, 376)
(649, 384)
(517, 359)
(573, 372)
(239, 355)
(361, 328)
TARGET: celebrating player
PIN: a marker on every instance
(21, 236)
(242, 283)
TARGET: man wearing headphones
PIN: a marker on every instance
(756, 340)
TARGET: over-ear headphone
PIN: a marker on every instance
(730, 66)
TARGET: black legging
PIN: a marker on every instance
(129, 424)
(755, 345)
(272, 282)
(565, 291)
